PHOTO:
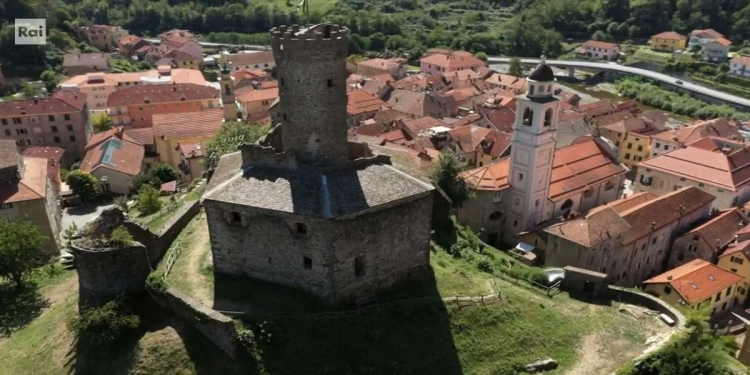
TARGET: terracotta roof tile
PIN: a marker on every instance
(491, 177)
(31, 186)
(460, 59)
(707, 33)
(379, 63)
(371, 129)
(161, 94)
(260, 118)
(578, 166)
(98, 60)
(734, 248)
(144, 136)
(59, 102)
(720, 231)
(671, 35)
(388, 116)
(697, 280)
(416, 126)
(192, 149)
(513, 82)
(596, 227)
(116, 152)
(741, 60)
(626, 203)
(421, 81)
(359, 102)
(249, 59)
(395, 135)
(502, 119)
(258, 95)
(129, 39)
(724, 41)
(53, 155)
(422, 103)
(185, 125)
(599, 44)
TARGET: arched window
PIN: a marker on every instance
(528, 116)
(568, 204)
(548, 117)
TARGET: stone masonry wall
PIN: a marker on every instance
(215, 326)
(104, 274)
(642, 299)
(392, 245)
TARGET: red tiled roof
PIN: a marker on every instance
(161, 94)
(626, 203)
(422, 103)
(672, 35)
(249, 59)
(596, 227)
(260, 117)
(599, 44)
(169, 187)
(502, 120)
(32, 185)
(513, 82)
(460, 59)
(117, 152)
(724, 41)
(372, 129)
(185, 125)
(490, 177)
(416, 126)
(422, 82)
(129, 39)
(359, 102)
(99, 60)
(388, 116)
(734, 248)
(44, 152)
(720, 231)
(176, 40)
(707, 33)
(697, 280)
(394, 135)
(717, 127)
(741, 60)
(144, 136)
(59, 102)
(192, 149)
(379, 63)
(258, 95)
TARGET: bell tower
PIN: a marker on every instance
(532, 152)
(227, 94)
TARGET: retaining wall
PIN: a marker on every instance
(642, 299)
(172, 229)
(215, 326)
(104, 274)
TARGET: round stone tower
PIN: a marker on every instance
(311, 68)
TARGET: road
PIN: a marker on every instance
(702, 90)
(82, 215)
(256, 47)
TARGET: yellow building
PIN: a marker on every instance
(736, 259)
(173, 130)
(697, 284)
(668, 41)
(634, 148)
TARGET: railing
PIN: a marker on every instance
(173, 205)
(172, 258)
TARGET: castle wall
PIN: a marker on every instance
(104, 274)
(388, 246)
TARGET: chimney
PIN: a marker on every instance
(653, 225)
(669, 278)
(36, 101)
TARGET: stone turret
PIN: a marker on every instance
(227, 94)
(311, 68)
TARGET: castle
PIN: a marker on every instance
(296, 209)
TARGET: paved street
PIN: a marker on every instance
(82, 215)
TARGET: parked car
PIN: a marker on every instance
(554, 275)
(678, 82)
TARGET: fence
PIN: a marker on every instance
(197, 191)
(172, 258)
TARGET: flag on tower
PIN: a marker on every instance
(304, 5)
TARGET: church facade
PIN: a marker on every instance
(538, 182)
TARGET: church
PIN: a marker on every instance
(538, 183)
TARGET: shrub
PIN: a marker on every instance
(148, 200)
(485, 265)
(163, 172)
(155, 283)
(120, 237)
(83, 184)
(246, 337)
(145, 180)
(121, 202)
(104, 325)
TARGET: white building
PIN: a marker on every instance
(740, 66)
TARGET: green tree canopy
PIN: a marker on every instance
(20, 249)
(445, 174)
(101, 122)
(83, 184)
(229, 137)
(148, 200)
(515, 69)
(164, 172)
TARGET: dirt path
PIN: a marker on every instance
(592, 358)
(196, 246)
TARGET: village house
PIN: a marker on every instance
(58, 120)
(54, 157)
(449, 62)
(708, 240)
(82, 63)
(697, 284)
(717, 166)
(180, 59)
(716, 50)
(479, 146)
(435, 82)
(468, 77)
(129, 44)
(28, 192)
(191, 159)
(421, 126)
(629, 240)
(182, 44)
(599, 50)
(637, 146)
(396, 67)
(176, 32)
(252, 60)
(98, 86)
(736, 259)
(678, 138)
(133, 107)
(419, 104)
(145, 136)
(668, 41)
(253, 101)
(507, 82)
(115, 159)
(103, 37)
(701, 37)
(173, 130)
(362, 106)
(463, 96)
(740, 66)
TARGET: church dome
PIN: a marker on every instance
(542, 73)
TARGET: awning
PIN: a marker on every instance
(524, 247)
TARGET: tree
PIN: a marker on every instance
(120, 237)
(50, 79)
(103, 325)
(101, 122)
(481, 56)
(148, 200)
(600, 36)
(163, 172)
(228, 139)
(445, 174)
(83, 184)
(516, 69)
(20, 249)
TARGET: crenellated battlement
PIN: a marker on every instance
(294, 42)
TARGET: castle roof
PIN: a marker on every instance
(325, 194)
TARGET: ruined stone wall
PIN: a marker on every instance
(104, 274)
(215, 326)
(392, 245)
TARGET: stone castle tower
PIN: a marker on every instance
(227, 94)
(532, 152)
(296, 209)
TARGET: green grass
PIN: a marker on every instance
(315, 5)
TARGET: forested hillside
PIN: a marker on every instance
(510, 27)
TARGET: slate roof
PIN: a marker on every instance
(185, 125)
(326, 195)
(542, 73)
(697, 280)
(8, 153)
